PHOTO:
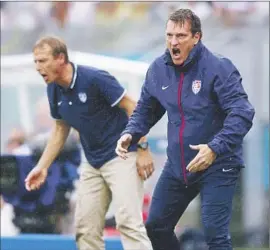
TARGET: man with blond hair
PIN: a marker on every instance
(92, 101)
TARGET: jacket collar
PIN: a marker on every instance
(192, 57)
(74, 75)
(73, 80)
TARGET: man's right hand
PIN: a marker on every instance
(36, 178)
(122, 145)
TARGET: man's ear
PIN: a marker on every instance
(196, 37)
(61, 58)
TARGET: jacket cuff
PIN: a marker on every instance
(135, 136)
(215, 145)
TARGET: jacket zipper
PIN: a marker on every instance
(182, 127)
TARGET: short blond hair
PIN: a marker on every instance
(57, 45)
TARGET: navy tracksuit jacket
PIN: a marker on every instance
(206, 104)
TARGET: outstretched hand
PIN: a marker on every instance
(35, 178)
(122, 145)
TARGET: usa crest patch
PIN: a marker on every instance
(196, 86)
(82, 97)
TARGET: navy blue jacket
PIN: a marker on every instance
(205, 103)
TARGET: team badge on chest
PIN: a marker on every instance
(196, 86)
(82, 97)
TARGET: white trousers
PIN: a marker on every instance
(117, 180)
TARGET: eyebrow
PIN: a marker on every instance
(180, 33)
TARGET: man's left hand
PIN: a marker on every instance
(145, 165)
(203, 159)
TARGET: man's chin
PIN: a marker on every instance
(48, 82)
(177, 62)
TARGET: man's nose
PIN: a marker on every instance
(37, 67)
(174, 41)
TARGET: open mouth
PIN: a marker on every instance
(176, 52)
(45, 77)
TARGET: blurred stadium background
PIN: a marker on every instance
(123, 38)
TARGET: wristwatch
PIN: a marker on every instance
(143, 145)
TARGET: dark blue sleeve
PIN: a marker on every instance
(52, 97)
(110, 88)
(146, 114)
(239, 112)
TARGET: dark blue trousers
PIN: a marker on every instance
(171, 198)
